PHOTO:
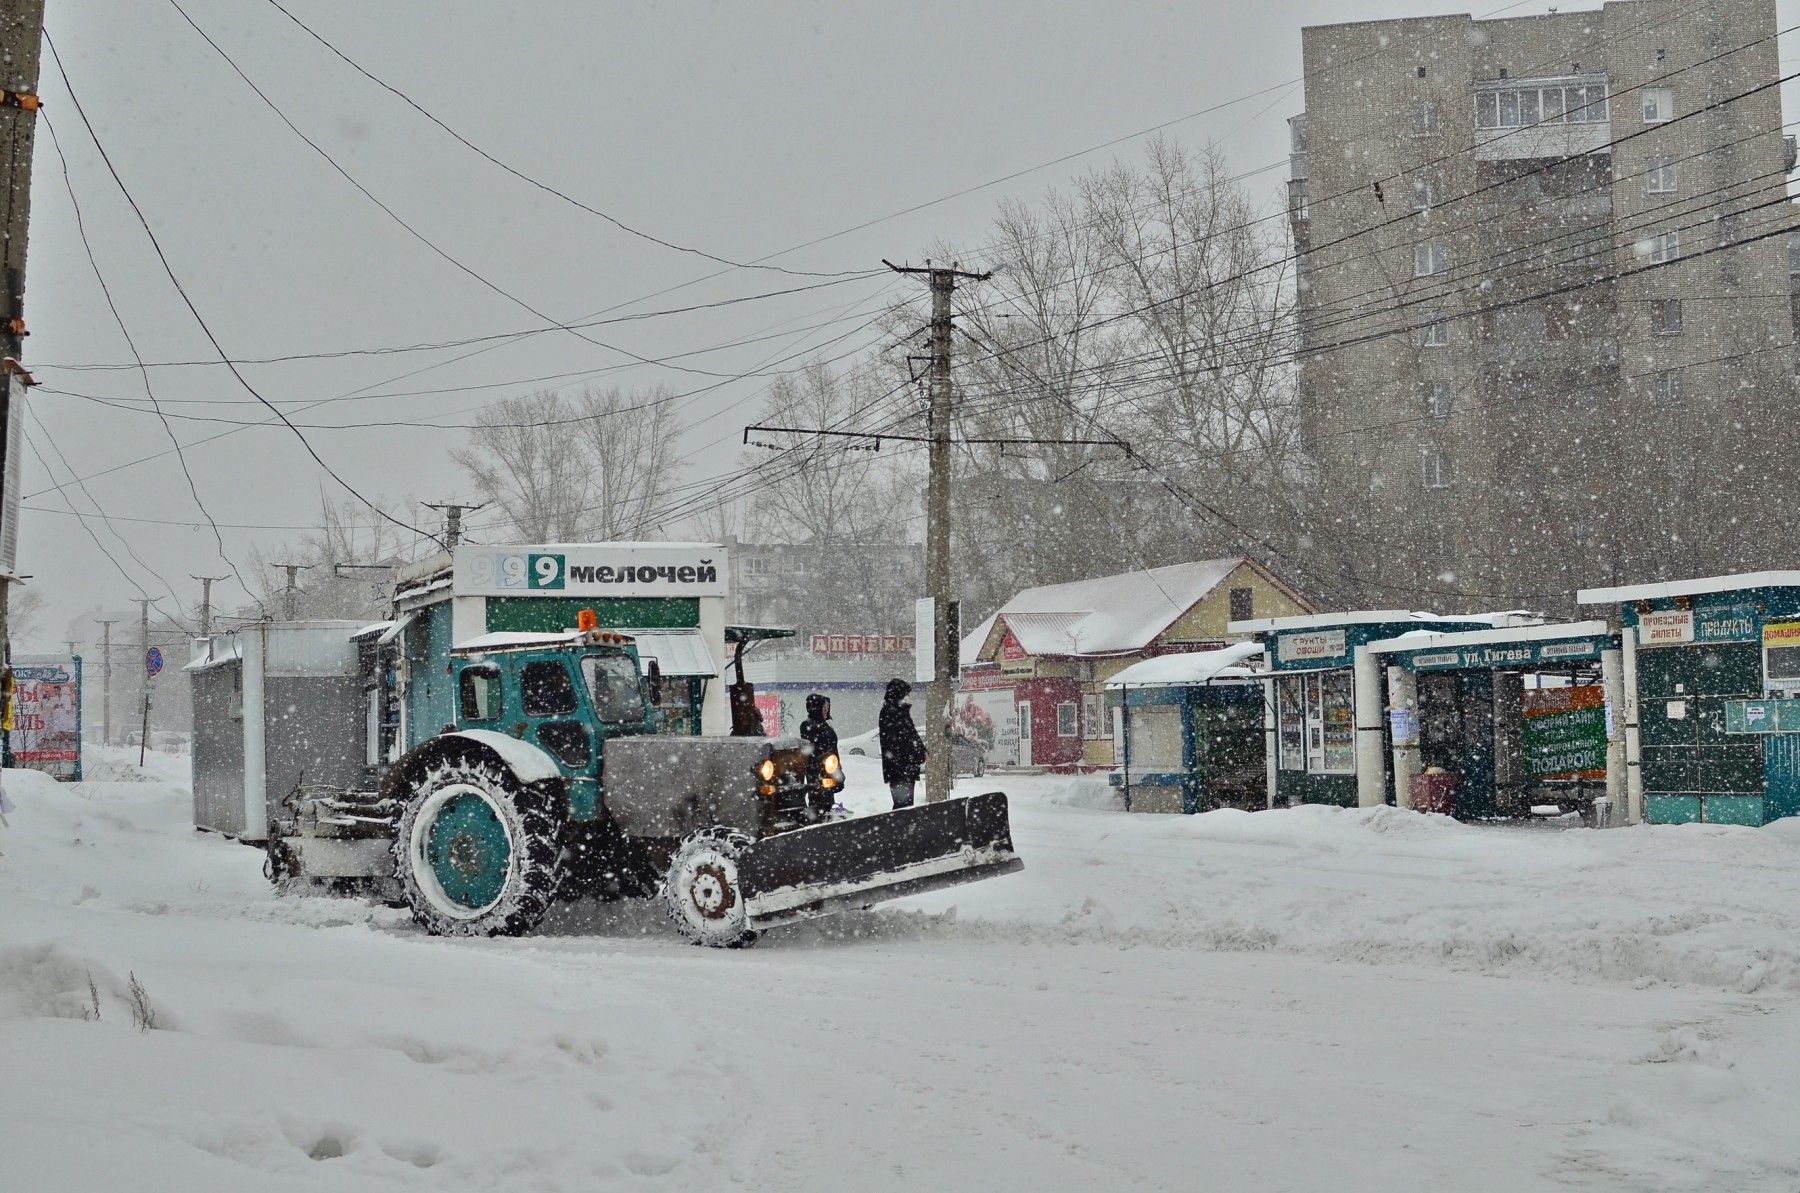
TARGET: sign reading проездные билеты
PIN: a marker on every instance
(1698, 626)
(591, 570)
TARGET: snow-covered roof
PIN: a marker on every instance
(514, 640)
(1192, 668)
(1315, 621)
(969, 652)
(225, 649)
(1105, 616)
(1680, 588)
(369, 631)
(1425, 640)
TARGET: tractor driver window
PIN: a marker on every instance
(568, 741)
(546, 690)
(612, 681)
(480, 693)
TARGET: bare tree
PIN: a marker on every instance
(630, 439)
(528, 459)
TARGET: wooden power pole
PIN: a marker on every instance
(940, 700)
(106, 681)
(21, 31)
(206, 583)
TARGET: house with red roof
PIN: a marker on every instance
(1037, 668)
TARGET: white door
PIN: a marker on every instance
(1024, 733)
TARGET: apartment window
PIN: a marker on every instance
(1435, 469)
(1068, 719)
(1664, 246)
(1659, 105)
(1666, 386)
(1524, 107)
(1299, 205)
(1662, 177)
(1424, 119)
(1665, 316)
(1437, 400)
(1243, 604)
(1424, 192)
(1430, 257)
(1434, 334)
(1297, 133)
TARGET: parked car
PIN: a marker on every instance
(967, 757)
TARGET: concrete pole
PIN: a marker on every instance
(937, 545)
(1403, 702)
(1271, 739)
(1634, 751)
(1371, 780)
(1612, 682)
(144, 674)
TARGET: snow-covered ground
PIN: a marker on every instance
(1309, 1000)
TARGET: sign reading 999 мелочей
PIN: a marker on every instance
(591, 570)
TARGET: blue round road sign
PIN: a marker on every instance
(153, 661)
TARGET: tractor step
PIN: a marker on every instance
(850, 864)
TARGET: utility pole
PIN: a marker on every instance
(940, 700)
(144, 663)
(106, 681)
(453, 516)
(206, 583)
(290, 603)
(21, 31)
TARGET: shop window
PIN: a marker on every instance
(1662, 177)
(1659, 105)
(1068, 719)
(547, 690)
(1665, 316)
(1243, 604)
(1315, 727)
(1156, 738)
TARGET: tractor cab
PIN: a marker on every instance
(567, 694)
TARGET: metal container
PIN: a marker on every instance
(275, 704)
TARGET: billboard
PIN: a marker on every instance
(1565, 732)
(46, 727)
(592, 570)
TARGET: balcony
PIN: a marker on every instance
(1535, 118)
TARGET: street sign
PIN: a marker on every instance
(153, 661)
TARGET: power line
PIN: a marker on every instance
(189, 302)
(539, 184)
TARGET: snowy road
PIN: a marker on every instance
(1299, 1000)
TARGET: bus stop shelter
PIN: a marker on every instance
(1514, 718)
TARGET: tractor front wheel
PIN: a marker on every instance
(476, 850)
(702, 893)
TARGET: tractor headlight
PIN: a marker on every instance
(765, 770)
(831, 764)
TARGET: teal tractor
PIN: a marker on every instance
(553, 784)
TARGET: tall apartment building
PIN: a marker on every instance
(1546, 313)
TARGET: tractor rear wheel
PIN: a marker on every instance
(702, 893)
(476, 850)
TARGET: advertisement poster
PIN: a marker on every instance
(46, 730)
(1565, 733)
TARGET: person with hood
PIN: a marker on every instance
(902, 751)
(822, 742)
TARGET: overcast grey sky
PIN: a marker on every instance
(742, 129)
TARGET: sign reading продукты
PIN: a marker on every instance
(592, 570)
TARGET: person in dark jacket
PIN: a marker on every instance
(822, 742)
(902, 751)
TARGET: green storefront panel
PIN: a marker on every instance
(1301, 787)
(1737, 767)
(1781, 776)
(1669, 770)
(1672, 809)
(1733, 809)
(1656, 725)
(550, 615)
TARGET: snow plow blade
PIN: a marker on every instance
(850, 864)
